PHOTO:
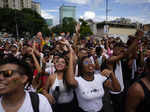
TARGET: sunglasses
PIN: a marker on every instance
(8, 73)
(87, 62)
(60, 62)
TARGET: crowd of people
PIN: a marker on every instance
(72, 74)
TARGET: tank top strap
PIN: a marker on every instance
(146, 90)
(56, 77)
(56, 81)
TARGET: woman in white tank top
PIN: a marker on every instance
(56, 89)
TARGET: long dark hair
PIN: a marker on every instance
(147, 63)
(65, 71)
(80, 65)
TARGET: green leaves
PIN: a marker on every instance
(27, 20)
(69, 26)
(85, 29)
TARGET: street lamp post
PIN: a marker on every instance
(17, 31)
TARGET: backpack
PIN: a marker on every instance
(34, 101)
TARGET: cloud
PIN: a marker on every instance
(52, 10)
(103, 18)
(132, 1)
(144, 19)
(88, 15)
(92, 3)
(46, 15)
(78, 1)
(95, 3)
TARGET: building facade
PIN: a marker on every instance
(93, 26)
(116, 30)
(49, 22)
(36, 7)
(146, 27)
(20, 4)
(67, 11)
(15, 4)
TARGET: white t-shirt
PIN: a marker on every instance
(90, 93)
(44, 105)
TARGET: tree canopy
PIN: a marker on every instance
(25, 20)
(85, 29)
(69, 26)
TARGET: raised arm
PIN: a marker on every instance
(45, 90)
(37, 65)
(139, 35)
(77, 35)
(70, 76)
(116, 58)
(112, 84)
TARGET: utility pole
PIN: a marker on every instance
(106, 10)
(17, 31)
(106, 27)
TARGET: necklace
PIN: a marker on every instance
(87, 77)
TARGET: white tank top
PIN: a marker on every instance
(65, 96)
(119, 76)
(100, 60)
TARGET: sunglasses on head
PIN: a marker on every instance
(8, 73)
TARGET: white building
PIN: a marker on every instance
(67, 11)
(20, 4)
(93, 26)
(36, 6)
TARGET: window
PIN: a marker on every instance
(14, 4)
(22, 5)
(5, 3)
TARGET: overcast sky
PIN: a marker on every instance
(136, 10)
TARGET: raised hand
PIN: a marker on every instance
(139, 34)
(77, 27)
(106, 73)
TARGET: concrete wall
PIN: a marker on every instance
(1, 3)
(146, 27)
(100, 31)
(117, 32)
(122, 31)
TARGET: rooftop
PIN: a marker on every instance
(101, 24)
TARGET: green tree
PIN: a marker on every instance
(57, 29)
(84, 29)
(25, 20)
(69, 25)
